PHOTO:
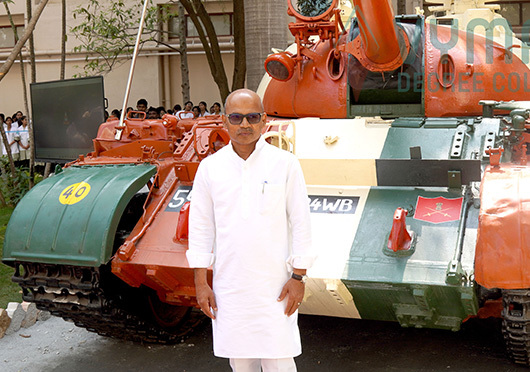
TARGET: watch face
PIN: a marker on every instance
(304, 278)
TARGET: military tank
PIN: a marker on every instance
(415, 158)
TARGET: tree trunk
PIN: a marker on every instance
(401, 7)
(63, 39)
(240, 62)
(47, 170)
(23, 76)
(2, 197)
(20, 57)
(8, 152)
(184, 70)
(31, 181)
(2, 200)
(6, 66)
(208, 37)
(262, 33)
(31, 45)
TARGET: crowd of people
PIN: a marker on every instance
(188, 112)
(16, 126)
(17, 133)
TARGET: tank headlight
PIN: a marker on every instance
(311, 10)
(280, 66)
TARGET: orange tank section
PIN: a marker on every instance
(381, 46)
(503, 244)
(460, 68)
(457, 79)
(323, 83)
(152, 255)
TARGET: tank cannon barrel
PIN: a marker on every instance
(382, 46)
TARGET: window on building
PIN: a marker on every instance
(7, 36)
(516, 12)
(221, 22)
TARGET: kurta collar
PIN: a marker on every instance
(259, 146)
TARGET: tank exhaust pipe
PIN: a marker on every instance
(381, 45)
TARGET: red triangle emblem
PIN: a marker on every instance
(438, 210)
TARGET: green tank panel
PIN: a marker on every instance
(422, 289)
(412, 290)
(72, 217)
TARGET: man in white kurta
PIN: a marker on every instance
(250, 218)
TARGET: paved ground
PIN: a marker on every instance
(329, 345)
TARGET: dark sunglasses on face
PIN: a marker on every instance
(237, 119)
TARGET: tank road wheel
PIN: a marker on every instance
(95, 299)
(516, 324)
(168, 316)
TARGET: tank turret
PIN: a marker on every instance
(386, 65)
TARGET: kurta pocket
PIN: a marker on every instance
(271, 197)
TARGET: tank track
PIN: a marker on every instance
(93, 298)
(516, 324)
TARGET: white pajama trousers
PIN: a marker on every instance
(268, 365)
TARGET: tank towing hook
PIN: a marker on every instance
(401, 241)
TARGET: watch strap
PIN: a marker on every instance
(300, 278)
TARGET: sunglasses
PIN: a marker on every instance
(237, 119)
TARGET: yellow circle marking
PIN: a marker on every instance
(74, 193)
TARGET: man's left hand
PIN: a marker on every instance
(294, 291)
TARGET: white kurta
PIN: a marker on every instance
(251, 220)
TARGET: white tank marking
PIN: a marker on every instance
(333, 235)
(348, 159)
(328, 297)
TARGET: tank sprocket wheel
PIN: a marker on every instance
(516, 324)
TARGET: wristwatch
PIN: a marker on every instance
(301, 278)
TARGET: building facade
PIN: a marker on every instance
(157, 75)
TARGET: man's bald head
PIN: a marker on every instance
(245, 97)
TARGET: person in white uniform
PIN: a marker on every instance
(249, 217)
(186, 113)
(23, 143)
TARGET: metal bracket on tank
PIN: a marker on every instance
(489, 143)
(457, 146)
(454, 179)
(455, 274)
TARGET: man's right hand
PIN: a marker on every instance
(205, 296)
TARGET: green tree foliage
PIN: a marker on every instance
(108, 30)
(14, 186)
